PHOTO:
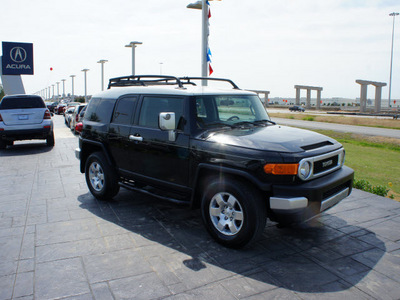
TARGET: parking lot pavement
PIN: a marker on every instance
(57, 241)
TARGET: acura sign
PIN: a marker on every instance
(17, 58)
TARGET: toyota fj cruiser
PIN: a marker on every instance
(216, 149)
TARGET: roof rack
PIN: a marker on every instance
(147, 80)
(144, 80)
(208, 78)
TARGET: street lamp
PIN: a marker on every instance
(393, 14)
(102, 61)
(202, 4)
(63, 94)
(58, 90)
(133, 46)
(72, 94)
(85, 71)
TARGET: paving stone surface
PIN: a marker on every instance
(58, 242)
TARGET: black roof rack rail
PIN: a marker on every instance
(208, 78)
(144, 80)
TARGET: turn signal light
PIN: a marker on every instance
(281, 169)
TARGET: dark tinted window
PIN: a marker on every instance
(100, 110)
(153, 106)
(21, 102)
(124, 110)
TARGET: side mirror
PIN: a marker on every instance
(167, 122)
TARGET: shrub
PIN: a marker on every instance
(364, 185)
(308, 118)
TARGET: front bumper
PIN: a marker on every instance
(299, 203)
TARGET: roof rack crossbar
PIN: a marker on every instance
(208, 78)
(144, 80)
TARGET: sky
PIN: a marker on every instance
(259, 44)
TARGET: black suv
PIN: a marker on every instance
(216, 149)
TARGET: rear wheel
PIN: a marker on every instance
(233, 212)
(50, 140)
(101, 178)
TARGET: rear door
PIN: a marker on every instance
(119, 130)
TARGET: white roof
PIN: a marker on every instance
(115, 92)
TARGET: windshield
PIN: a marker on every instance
(216, 111)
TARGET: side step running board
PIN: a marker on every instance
(143, 191)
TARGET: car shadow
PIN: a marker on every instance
(315, 257)
(28, 148)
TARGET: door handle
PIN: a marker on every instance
(135, 138)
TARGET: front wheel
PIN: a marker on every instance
(101, 178)
(233, 212)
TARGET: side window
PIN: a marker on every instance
(153, 106)
(90, 114)
(100, 110)
(124, 110)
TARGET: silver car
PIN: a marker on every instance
(24, 117)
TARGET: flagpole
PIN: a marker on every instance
(204, 41)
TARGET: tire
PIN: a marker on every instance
(233, 212)
(101, 178)
(50, 140)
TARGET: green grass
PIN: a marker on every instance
(378, 163)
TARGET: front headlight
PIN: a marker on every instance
(305, 169)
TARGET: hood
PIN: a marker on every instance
(272, 138)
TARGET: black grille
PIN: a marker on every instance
(325, 164)
(335, 190)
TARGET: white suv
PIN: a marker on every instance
(24, 117)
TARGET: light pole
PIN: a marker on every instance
(72, 94)
(133, 46)
(161, 68)
(102, 62)
(63, 94)
(85, 71)
(58, 89)
(202, 4)
(393, 14)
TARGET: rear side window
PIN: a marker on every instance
(124, 110)
(100, 110)
(22, 103)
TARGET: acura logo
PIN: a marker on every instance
(18, 54)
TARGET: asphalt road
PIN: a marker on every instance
(373, 131)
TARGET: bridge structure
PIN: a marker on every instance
(309, 89)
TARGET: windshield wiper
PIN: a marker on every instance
(219, 126)
(254, 123)
(265, 121)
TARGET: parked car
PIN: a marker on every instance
(208, 148)
(68, 113)
(297, 108)
(78, 128)
(24, 117)
(59, 110)
(75, 116)
(51, 106)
